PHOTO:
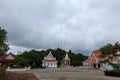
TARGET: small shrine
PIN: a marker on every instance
(66, 61)
(49, 61)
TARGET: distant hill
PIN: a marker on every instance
(34, 56)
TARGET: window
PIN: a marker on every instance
(51, 64)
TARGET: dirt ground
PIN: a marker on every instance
(18, 76)
(70, 74)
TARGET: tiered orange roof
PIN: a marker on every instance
(95, 57)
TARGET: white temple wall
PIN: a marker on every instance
(49, 64)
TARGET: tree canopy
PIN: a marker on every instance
(110, 49)
(3, 39)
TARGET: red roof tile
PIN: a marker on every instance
(2, 58)
(50, 60)
(95, 57)
(7, 60)
(97, 52)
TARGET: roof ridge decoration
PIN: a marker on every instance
(66, 57)
(49, 57)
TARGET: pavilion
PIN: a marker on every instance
(66, 61)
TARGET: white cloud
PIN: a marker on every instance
(17, 49)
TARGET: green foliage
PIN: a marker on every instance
(76, 59)
(107, 50)
(3, 39)
(20, 61)
(2, 70)
(110, 49)
(28, 58)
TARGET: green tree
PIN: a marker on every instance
(28, 57)
(20, 61)
(110, 49)
(3, 39)
(107, 50)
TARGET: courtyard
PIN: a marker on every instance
(70, 74)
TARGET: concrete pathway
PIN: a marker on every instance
(70, 74)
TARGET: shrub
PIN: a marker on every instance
(2, 69)
(115, 73)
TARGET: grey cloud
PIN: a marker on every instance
(79, 25)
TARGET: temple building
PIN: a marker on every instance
(7, 58)
(95, 60)
(49, 61)
(66, 61)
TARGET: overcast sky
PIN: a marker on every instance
(78, 25)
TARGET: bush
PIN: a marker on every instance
(2, 69)
(115, 73)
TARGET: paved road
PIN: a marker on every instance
(70, 74)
